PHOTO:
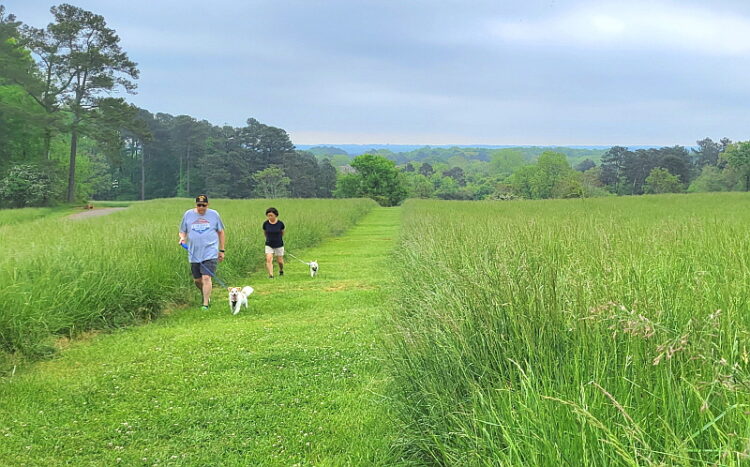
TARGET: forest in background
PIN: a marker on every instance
(65, 137)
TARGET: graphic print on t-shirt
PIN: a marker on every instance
(200, 226)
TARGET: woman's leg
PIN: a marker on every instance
(269, 264)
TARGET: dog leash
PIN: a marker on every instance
(303, 262)
(203, 268)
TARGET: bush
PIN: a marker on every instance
(26, 186)
(662, 181)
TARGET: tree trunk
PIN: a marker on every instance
(180, 183)
(187, 168)
(143, 174)
(72, 168)
(747, 182)
(47, 142)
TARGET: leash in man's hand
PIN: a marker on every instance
(203, 268)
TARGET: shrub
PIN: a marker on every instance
(26, 186)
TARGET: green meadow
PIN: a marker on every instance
(575, 332)
(296, 379)
(21, 216)
(62, 276)
(562, 332)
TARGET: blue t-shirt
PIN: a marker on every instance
(202, 236)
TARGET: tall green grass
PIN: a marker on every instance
(20, 216)
(575, 332)
(62, 276)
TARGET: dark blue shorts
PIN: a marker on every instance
(206, 268)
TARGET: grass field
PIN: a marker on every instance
(596, 332)
(296, 380)
(62, 276)
(564, 332)
(12, 217)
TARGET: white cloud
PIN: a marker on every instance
(635, 25)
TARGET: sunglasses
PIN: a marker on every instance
(201, 205)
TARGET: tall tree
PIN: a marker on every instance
(327, 179)
(613, 167)
(227, 156)
(585, 165)
(707, 152)
(189, 141)
(738, 157)
(21, 120)
(426, 169)
(637, 166)
(264, 145)
(676, 160)
(165, 156)
(53, 79)
(457, 174)
(302, 169)
(724, 142)
(376, 178)
(551, 168)
(92, 62)
(14, 61)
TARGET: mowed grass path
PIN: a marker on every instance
(297, 379)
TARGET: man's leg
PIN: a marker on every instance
(198, 281)
(206, 289)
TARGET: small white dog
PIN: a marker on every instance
(238, 297)
(313, 268)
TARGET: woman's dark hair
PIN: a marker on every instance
(273, 210)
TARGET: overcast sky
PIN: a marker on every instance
(572, 72)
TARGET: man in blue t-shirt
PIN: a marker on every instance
(203, 233)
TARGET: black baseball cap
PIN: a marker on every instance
(201, 199)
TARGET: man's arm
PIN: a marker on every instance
(222, 239)
(222, 242)
(183, 230)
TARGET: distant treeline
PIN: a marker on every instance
(340, 156)
(180, 156)
(537, 173)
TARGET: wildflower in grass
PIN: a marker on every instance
(669, 349)
(618, 318)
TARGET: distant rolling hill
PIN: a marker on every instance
(357, 149)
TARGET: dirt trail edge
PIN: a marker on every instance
(96, 212)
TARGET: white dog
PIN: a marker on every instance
(238, 297)
(313, 268)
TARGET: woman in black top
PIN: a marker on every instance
(274, 231)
